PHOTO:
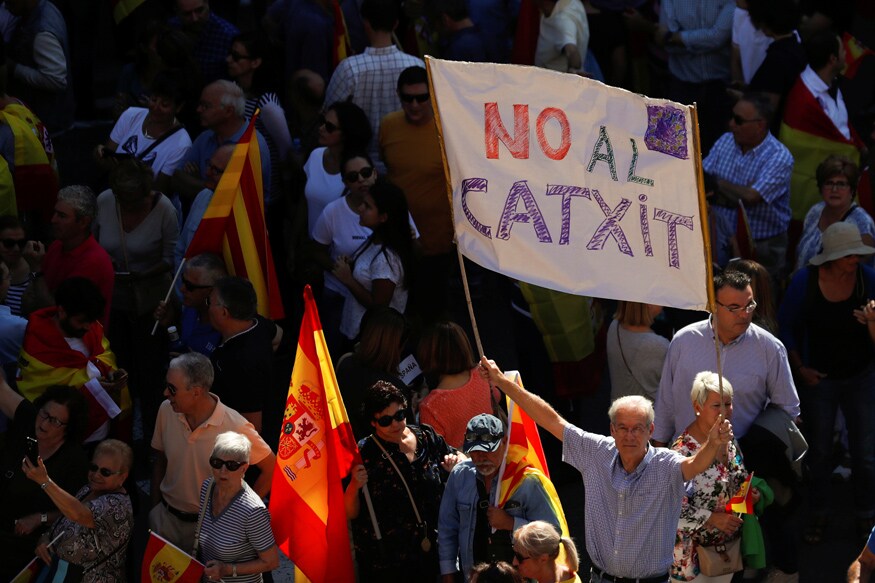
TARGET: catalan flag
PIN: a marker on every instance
(164, 562)
(233, 225)
(525, 458)
(742, 502)
(316, 450)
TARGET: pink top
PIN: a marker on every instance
(449, 410)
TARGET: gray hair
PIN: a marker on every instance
(232, 445)
(116, 448)
(81, 198)
(232, 96)
(196, 367)
(642, 404)
(212, 264)
(707, 381)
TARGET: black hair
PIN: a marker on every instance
(77, 409)
(395, 232)
(820, 46)
(238, 296)
(80, 296)
(733, 279)
(456, 10)
(779, 16)
(170, 85)
(762, 104)
(382, 15)
(354, 124)
(412, 76)
(379, 396)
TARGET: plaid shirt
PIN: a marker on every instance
(213, 44)
(766, 168)
(370, 79)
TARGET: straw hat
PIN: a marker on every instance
(840, 240)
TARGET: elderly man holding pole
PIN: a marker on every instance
(633, 490)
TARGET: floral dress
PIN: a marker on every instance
(711, 489)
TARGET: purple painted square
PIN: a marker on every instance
(666, 130)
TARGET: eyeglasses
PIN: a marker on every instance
(193, 286)
(520, 558)
(836, 185)
(171, 388)
(235, 56)
(232, 465)
(483, 437)
(105, 472)
(748, 309)
(44, 415)
(215, 169)
(740, 121)
(636, 430)
(329, 127)
(408, 98)
(210, 303)
(10, 243)
(353, 175)
(386, 420)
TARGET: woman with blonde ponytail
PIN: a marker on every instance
(536, 547)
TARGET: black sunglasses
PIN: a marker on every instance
(520, 558)
(10, 243)
(386, 420)
(740, 121)
(193, 286)
(237, 56)
(171, 389)
(420, 98)
(484, 437)
(232, 466)
(353, 175)
(329, 127)
(105, 472)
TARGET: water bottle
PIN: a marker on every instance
(177, 346)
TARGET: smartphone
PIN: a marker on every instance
(31, 449)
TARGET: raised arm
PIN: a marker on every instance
(68, 504)
(537, 408)
(719, 436)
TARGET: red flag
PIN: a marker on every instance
(164, 562)
(233, 225)
(742, 502)
(316, 450)
(855, 52)
(341, 46)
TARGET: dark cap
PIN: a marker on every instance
(484, 433)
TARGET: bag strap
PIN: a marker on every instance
(623, 354)
(200, 518)
(388, 456)
(160, 139)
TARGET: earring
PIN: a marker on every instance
(697, 413)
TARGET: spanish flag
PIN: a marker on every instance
(30, 572)
(316, 450)
(341, 47)
(164, 562)
(525, 458)
(233, 225)
(741, 502)
(855, 52)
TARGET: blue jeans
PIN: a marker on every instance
(856, 397)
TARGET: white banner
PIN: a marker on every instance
(572, 185)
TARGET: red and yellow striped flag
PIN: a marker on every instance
(316, 450)
(341, 47)
(855, 52)
(30, 572)
(164, 562)
(525, 458)
(742, 502)
(233, 225)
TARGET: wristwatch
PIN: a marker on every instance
(43, 518)
(233, 569)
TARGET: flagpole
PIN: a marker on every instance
(37, 557)
(170, 291)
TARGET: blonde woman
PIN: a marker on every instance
(536, 547)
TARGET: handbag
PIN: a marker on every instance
(425, 543)
(142, 296)
(720, 559)
(200, 519)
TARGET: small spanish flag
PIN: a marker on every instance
(166, 563)
(741, 502)
(855, 52)
(30, 573)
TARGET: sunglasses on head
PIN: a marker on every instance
(353, 175)
(329, 127)
(193, 286)
(386, 420)
(420, 98)
(484, 437)
(105, 472)
(232, 465)
(10, 243)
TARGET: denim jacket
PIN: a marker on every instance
(458, 514)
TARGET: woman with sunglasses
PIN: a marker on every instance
(837, 179)
(536, 547)
(12, 243)
(95, 526)
(235, 540)
(378, 273)
(405, 508)
(344, 126)
(54, 424)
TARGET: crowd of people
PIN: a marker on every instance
(183, 388)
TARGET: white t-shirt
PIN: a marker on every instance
(566, 25)
(375, 262)
(164, 158)
(321, 188)
(751, 43)
(338, 226)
